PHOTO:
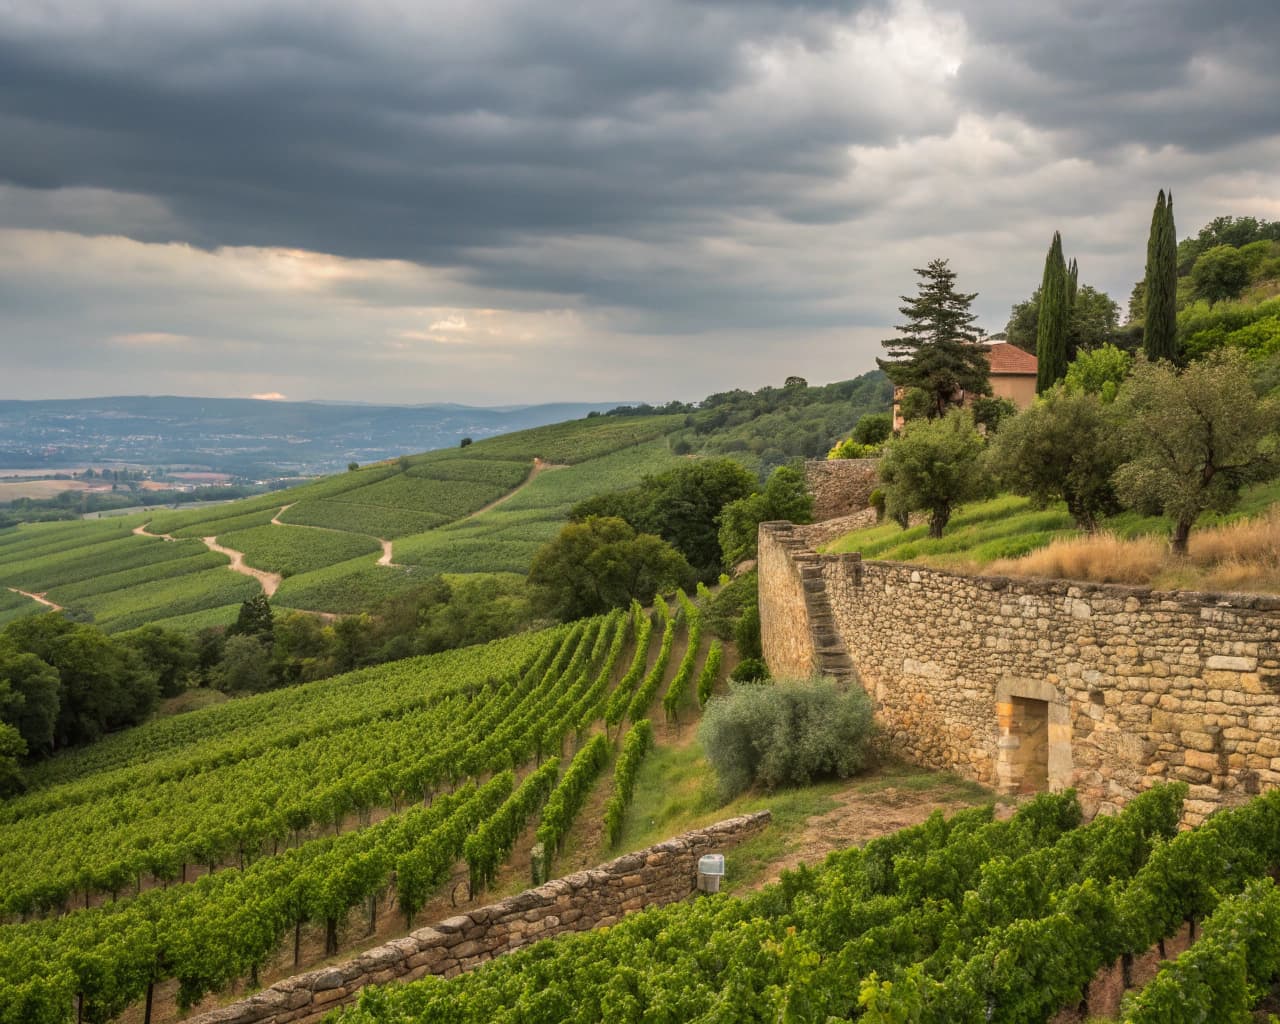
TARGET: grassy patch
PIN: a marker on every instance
(675, 792)
(1010, 535)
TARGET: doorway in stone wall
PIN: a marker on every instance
(1024, 745)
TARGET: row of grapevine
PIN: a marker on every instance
(620, 623)
(226, 926)
(620, 700)
(1228, 969)
(233, 810)
(638, 742)
(961, 919)
(487, 847)
(678, 689)
(568, 797)
(710, 672)
(648, 689)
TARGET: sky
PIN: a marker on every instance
(509, 201)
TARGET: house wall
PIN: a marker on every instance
(1141, 686)
(1019, 389)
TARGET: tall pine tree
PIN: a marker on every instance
(1054, 319)
(939, 351)
(1160, 327)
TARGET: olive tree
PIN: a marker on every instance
(934, 467)
(1062, 447)
(1193, 438)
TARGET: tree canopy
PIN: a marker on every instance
(1054, 318)
(934, 467)
(1160, 326)
(938, 351)
(1193, 438)
(603, 563)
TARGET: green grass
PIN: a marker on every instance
(371, 520)
(15, 606)
(675, 792)
(190, 557)
(193, 622)
(167, 598)
(1009, 527)
(293, 550)
(347, 587)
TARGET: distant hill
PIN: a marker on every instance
(247, 437)
(343, 543)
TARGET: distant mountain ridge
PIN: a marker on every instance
(248, 437)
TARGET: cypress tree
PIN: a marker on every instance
(1073, 283)
(1053, 320)
(1159, 336)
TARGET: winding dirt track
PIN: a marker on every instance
(38, 598)
(270, 581)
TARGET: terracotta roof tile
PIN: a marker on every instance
(1009, 359)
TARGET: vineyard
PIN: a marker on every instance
(198, 849)
(966, 919)
(325, 537)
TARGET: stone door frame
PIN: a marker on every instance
(1008, 741)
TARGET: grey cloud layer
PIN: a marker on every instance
(657, 166)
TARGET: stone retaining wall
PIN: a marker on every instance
(1004, 680)
(661, 874)
(840, 486)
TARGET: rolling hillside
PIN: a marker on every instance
(342, 543)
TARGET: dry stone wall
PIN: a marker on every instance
(1105, 688)
(840, 487)
(659, 875)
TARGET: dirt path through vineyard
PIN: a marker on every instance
(270, 581)
(38, 598)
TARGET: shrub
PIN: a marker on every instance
(785, 735)
(876, 501)
(750, 670)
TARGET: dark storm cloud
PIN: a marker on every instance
(1185, 73)
(590, 193)
(345, 130)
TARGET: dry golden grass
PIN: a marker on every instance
(1239, 556)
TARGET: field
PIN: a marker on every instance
(284, 786)
(325, 537)
(1008, 535)
(959, 919)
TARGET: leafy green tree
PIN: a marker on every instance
(785, 496)
(29, 696)
(1062, 447)
(682, 506)
(1099, 371)
(167, 653)
(102, 685)
(12, 750)
(603, 563)
(1194, 438)
(873, 428)
(989, 413)
(1220, 273)
(245, 665)
(938, 351)
(1053, 320)
(254, 619)
(934, 467)
(1160, 328)
(1095, 318)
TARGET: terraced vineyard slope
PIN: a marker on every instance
(354, 793)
